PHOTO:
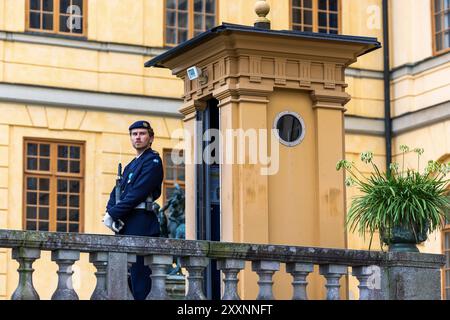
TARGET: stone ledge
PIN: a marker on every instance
(216, 250)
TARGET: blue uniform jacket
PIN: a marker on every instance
(142, 177)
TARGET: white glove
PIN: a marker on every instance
(115, 226)
(108, 220)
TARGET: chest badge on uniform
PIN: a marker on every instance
(155, 160)
(129, 177)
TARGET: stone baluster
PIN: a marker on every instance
(369, 279)
(65, 260)
(195, 267)
(25, 289)
(299, 272)
(333, 274)
(265, 271)
(100, 261)
(231, 269)
(159, 265)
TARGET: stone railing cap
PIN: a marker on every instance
(216, 250)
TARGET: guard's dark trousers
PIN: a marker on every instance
(140, 281)
(140, 223)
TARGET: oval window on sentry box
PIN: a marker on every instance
(290, 127)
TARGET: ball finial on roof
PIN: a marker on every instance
(262, 9)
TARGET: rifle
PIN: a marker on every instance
(118, 182)
(118, 225)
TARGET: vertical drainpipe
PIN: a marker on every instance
(387, 85)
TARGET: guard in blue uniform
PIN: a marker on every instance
(133, 213)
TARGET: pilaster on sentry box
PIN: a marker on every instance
(263, 79)
(329, 141)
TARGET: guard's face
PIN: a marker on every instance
(140, 138)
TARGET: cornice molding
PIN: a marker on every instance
(78, 99)
(190, 110)
(329, 99)
(61, 41)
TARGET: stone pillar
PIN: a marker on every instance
(265, 271)
(299, 272)
(25, 289)
(159, 265)
(65, 260)
(411, 276)
(195, 267)
(230, 268)
(117, 275)
(333, 274)
(100, 261)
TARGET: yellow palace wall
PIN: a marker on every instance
(73, 68)
(109, 21)
(435, 139)
(136, 22)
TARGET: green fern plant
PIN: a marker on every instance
(397, 198)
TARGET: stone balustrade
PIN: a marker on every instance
(381, 275)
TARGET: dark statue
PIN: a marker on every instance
(173, 222)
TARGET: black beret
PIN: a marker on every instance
(140, 124)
